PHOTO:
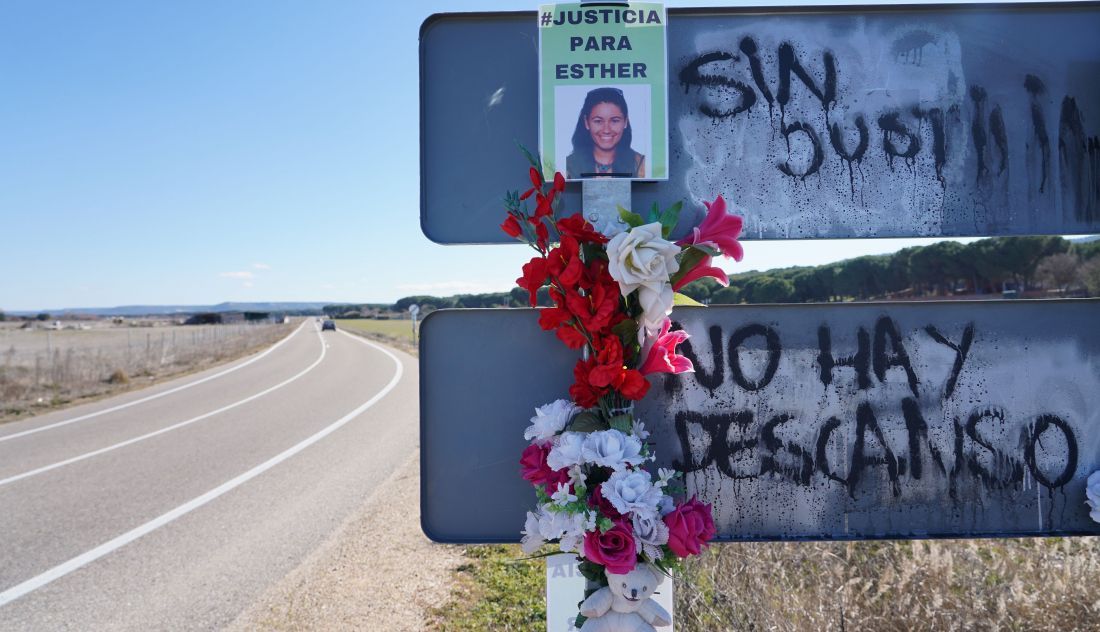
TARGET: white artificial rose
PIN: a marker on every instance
(1092, 493)
(650, 532)
(632, 492)
(549, 420)
(566, 451)
(642, 260)
(612, 448)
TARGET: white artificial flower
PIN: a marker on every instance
(612, 448)
(666, 505)
(638, 428)
(1092, 492)
(650, 532)
(532, 536)
(553, 525)
(632, 491)
(664, 475)
(573, 538)
(562, 497)
(576, 476)
(641, 259)
(566, 451)
(549, 420)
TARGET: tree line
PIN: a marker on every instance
(1007, 266)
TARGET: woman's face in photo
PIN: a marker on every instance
(606, 124)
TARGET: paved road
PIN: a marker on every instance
(175, 507)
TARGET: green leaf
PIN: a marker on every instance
(654, 214)
(669, 218)
(531, 158)
(622, 423)
(632, 219)
(580, 620)
(604, 524)
(684, 299)
(587, 422)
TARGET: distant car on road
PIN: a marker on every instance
(328, 324)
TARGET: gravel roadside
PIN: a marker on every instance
(377, 572)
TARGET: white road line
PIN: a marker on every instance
(122, 444)
(152, 397)
(63, 569)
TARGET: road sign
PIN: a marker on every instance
(893, 121)
(826, 421)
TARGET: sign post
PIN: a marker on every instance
(832, 422)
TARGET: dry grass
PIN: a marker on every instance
(1018, 584)
(397, 333)
(41, 370)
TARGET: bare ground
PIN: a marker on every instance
(377, 572)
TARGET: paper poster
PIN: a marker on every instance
(603, 91)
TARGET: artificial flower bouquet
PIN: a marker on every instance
(612, 288)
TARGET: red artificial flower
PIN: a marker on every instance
(703, 269)
(534, 277)
(719, 229)
(571, 337)
(634, 386)
(662, 356)
(582, 391)
(565, 262)
(690, 528)
(577, 227)
(535, 470)
(553, 317)
(511, 227)
(615, 550)
(536, 183)
(609, 364)
(559, 182)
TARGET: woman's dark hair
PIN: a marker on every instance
(582, 140)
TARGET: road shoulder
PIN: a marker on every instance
(377, 571)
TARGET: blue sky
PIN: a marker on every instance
(206, 151)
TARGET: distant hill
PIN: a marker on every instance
(171, 310)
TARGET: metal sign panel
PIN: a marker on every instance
(820, 122)
(828, 421)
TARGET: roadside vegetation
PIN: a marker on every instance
(41, 370)
(1018, 584)
(1017, 267)
(398, 333)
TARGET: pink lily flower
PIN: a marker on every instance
(662, 356)
(703, 269)
(719, 230)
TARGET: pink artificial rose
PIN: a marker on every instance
(615, 550)
(690, 527)
(719, 229)
(534, 469)
(662, 357)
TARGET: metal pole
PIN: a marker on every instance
(600, 202)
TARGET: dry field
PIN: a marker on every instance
(43, 369)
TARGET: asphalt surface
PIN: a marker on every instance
(177, 507)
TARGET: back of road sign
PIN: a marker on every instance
(816, 122)
(826, 421)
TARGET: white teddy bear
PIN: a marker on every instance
(624, 604)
